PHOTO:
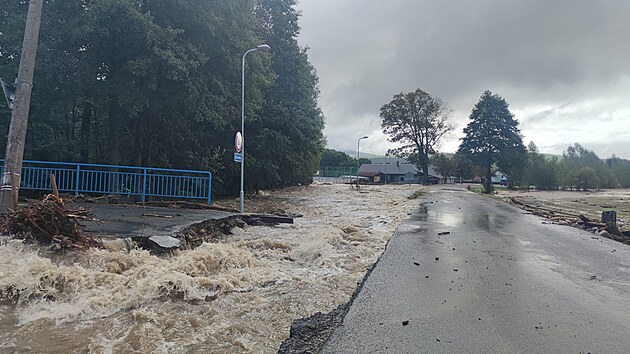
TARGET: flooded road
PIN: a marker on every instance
(236, 296)
(468, 274)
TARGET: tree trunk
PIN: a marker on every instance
(488, 179)
(86, 121)
(139, 140)
(113, 154)
(425, 172)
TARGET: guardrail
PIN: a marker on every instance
(146, 182)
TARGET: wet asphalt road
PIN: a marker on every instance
(133, 221)
(504, 283)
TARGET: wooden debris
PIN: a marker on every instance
(572, 219)
(49, 222)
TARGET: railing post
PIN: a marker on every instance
(209, 186)
(76, 181)
(144, 184)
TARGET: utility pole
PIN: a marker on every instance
(19, 115)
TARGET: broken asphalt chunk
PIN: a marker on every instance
(165, 242)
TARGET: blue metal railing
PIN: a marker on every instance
(109, 179)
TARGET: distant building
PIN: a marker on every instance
(499, 178)
(401, 173)
(390, 173)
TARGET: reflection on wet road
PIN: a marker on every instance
(472, 274)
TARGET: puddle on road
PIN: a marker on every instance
(451, 219)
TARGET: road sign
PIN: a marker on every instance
(238, 142)
(238, 157)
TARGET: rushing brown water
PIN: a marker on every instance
(231, 297)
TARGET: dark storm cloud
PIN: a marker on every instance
(539, 55)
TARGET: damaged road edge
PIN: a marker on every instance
(310, 334)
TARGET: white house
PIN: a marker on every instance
(499, 178)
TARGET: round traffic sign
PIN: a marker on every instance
(238, 142)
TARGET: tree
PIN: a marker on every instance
(576, 157)
(492, 137)
(334, 158)
(443, 165)
(620, 169)
(289, 121)
(464, 168)
(540, 171)
(418, 121)
(586, 178)
(157, 83)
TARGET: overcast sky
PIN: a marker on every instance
(562, 65)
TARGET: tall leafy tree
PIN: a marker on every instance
(464, 168)
(157, 83)
(288, 139)
(492, 137)
(417, 121)
(540, 171)
(580, 162)
(334, 158)
(444, 165)
(621, 170)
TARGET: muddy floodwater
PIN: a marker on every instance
(236, 296)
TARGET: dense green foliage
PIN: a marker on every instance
(456, 165)
(337, 163)
(417, 121)
(540, 171)
(157, 83)
(334, 158)
(492, 137)
(579, 168)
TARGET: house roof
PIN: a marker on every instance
(390, 169)
(374, 169)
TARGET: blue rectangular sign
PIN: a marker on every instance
(238, 157)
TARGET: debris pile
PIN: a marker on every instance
(579, 221)
(49, 222)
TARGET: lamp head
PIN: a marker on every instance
(264, 47)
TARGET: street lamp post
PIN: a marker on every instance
(358, 158)
(264, 48)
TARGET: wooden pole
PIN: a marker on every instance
(53, 183)
(19, 115)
